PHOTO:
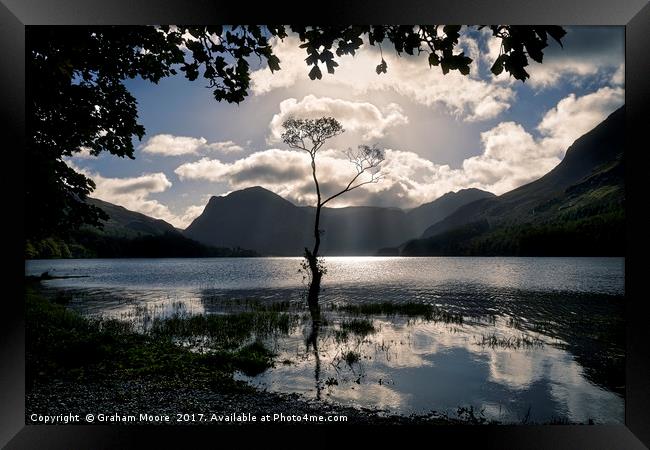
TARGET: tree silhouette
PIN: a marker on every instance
(309, 135)
(76, 98)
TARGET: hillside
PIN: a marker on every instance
(125, 223)
(575, 209)
(126, 234)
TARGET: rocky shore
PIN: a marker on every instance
(153, 400)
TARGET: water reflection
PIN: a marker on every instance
(420, 367)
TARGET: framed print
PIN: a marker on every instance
(308, 224)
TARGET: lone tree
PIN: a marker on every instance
(309, 135)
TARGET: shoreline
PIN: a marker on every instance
(157, 398)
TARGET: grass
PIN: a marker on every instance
(469, 416)
(61, 344)
(515, 342)
(360, 327)
(256, 305)
(253, 359)
(351, 357)
(409, 309)
(357, 327)
(226, 331)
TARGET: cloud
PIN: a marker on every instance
(590, 53)
(510, 156)
(83, 153)
(408, 180)
(362, 117)
(587, 53)
(191, 213)
(468, 98)
(133, 193)
(286, 172)
(573, 116)
(270, 166)
(618, 77)
(550, 73)
(170, 145)
(492, 47)
(226, 147)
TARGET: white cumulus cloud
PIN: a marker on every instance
(362, 117)
(133, 193)
(83, 153)
(170, 145)
(226, 147)
(469, 98)
(510, 156)
(618, 77)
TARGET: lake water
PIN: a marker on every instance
(525, 351)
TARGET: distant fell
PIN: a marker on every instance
(575, 209)
(259, 219)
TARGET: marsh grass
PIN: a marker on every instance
(351, 357)
(226, 331)
(512, 342)
(62, 344)
(360, 327)
(470, 416)
(253, 359)
(409, 309)
(340, 336)
(254, 304)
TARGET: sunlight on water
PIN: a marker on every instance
(389, 273)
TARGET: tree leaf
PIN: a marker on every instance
(331, 64)
(497, 67)
(381, 68)
(273, 62)
(556, 33)
(315, 73)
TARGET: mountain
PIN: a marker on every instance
(259, 219)
(575, 209)
(126, 234)
(433, 212)
(252, 218)
(126, 223)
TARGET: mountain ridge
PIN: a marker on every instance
(573, 205)
(273, 225)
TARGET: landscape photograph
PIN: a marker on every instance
(377, 224)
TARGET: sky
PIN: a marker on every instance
(440, 133)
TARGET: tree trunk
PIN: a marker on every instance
(312, 261)
(315, 279)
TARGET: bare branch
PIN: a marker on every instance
(366, 159)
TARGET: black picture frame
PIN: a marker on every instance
(15, 15)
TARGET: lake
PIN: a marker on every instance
(541, 339)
